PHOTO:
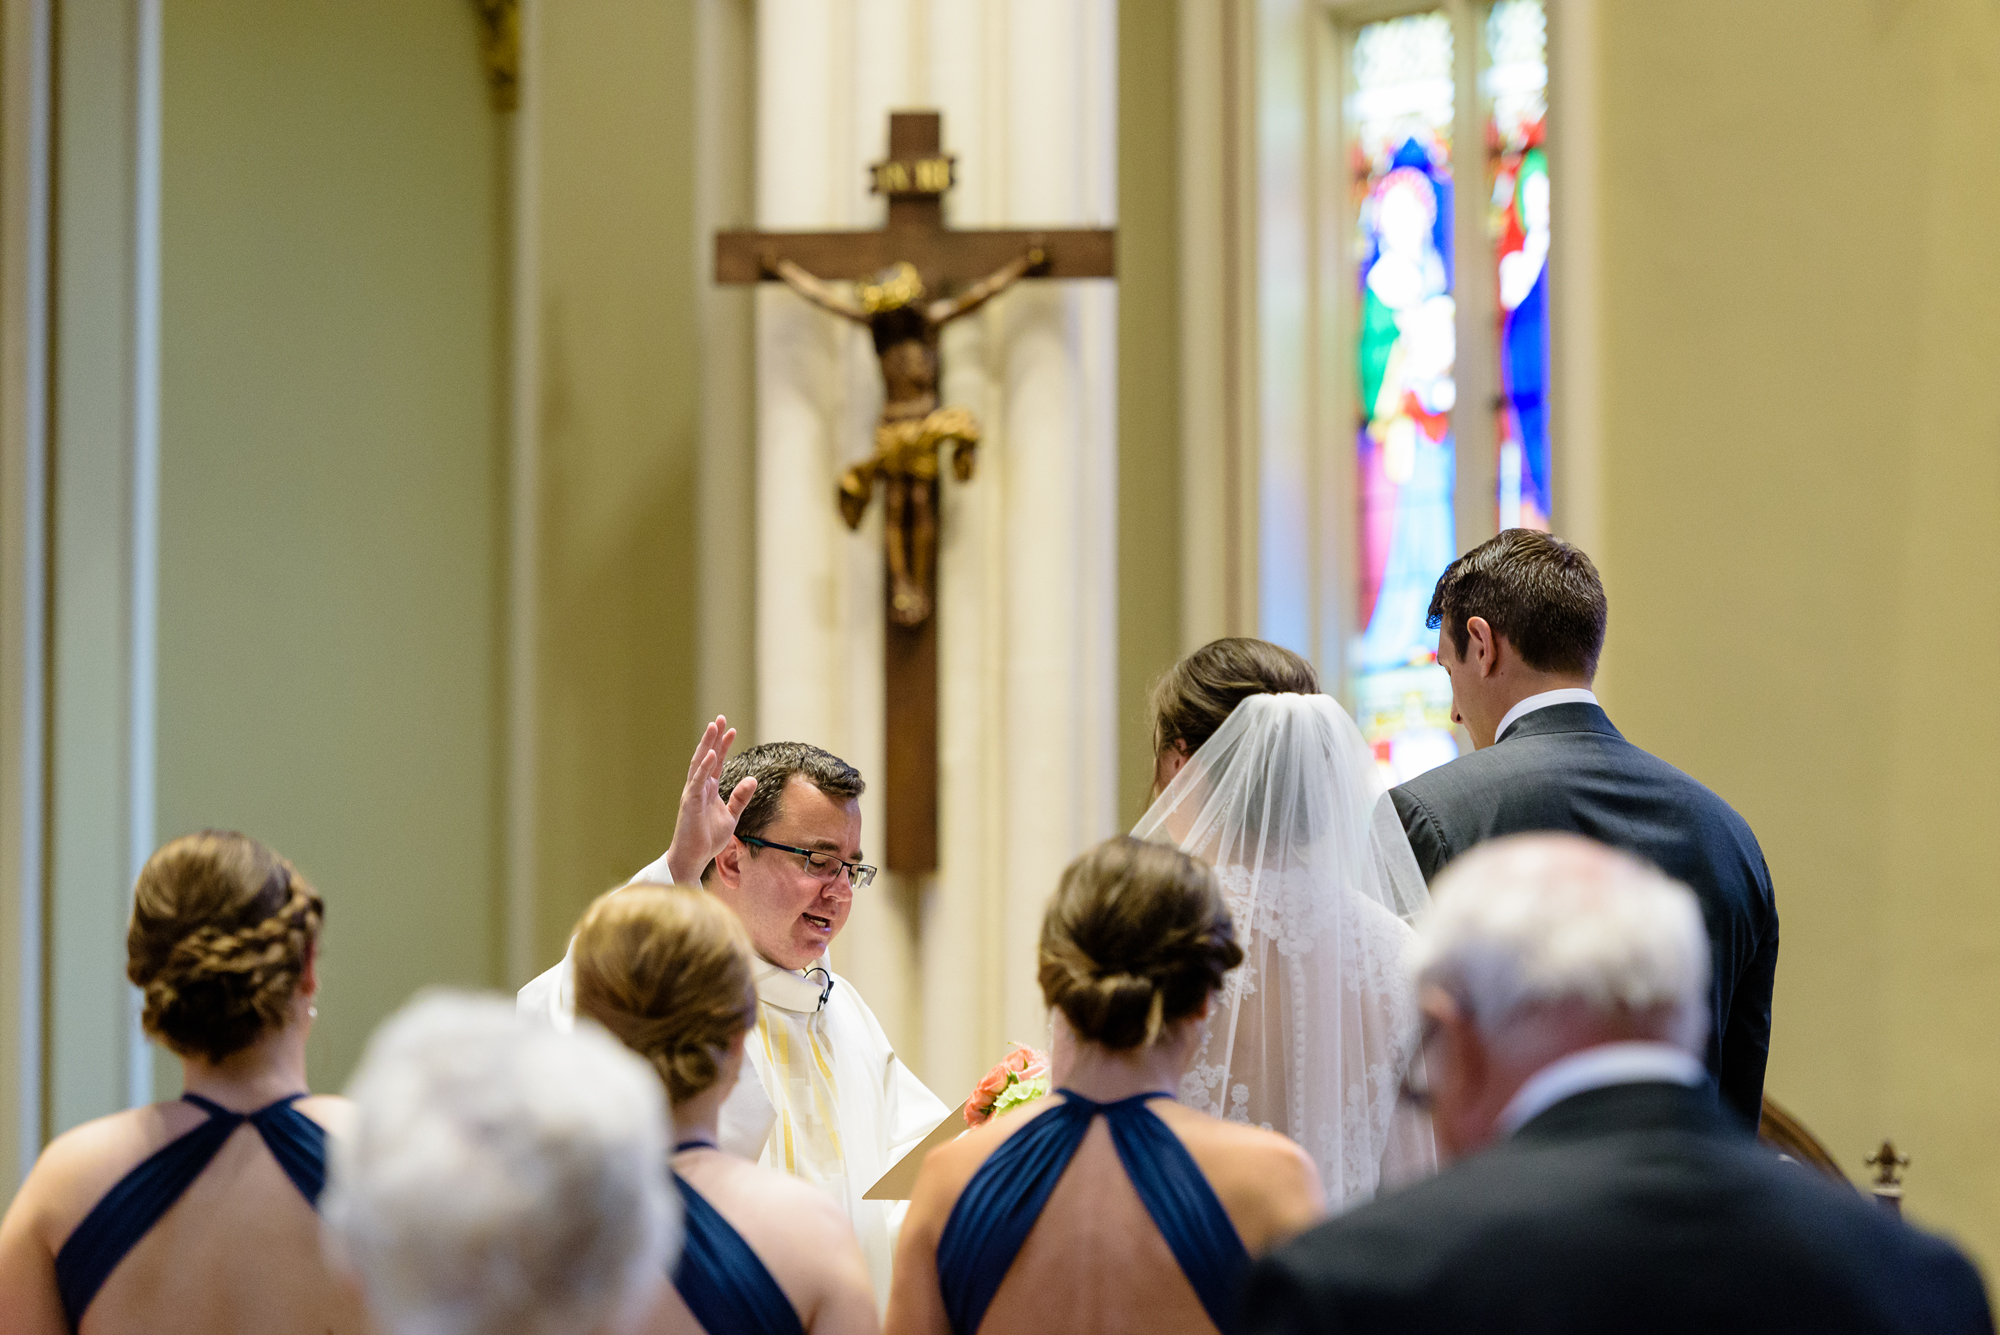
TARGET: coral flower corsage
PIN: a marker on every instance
(1021, 1077)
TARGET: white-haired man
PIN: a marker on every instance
(1599, 1186)
(503, 1177)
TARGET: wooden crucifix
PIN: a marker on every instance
(924, 275)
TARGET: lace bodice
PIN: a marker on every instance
(1311, 1034)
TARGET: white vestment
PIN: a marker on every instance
(829, 1101)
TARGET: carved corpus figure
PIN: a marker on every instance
(905, 324)
(912, 254)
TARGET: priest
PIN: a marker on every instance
(826, 1097)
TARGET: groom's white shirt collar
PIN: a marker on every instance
(1600, 1067)
(1568, 695)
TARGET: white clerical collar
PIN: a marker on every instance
(1568, 695)
(803, 992)
(1600, 1067)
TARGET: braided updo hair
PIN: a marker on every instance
(666, 969)
(1136, 938)
(222, 929)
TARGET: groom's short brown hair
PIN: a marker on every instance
(1538, 591)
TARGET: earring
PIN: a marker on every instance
(312, 1012)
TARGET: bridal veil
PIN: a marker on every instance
(1310, 1036)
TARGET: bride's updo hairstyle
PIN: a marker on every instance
(1136, 939)
(667, 970)
(222, 928)
(1197, 694)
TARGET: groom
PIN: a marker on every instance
(1520, 623)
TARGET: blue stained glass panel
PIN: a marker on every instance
(1399, 119)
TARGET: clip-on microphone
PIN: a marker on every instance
(825, 987)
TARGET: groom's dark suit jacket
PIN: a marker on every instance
(1566, 768)
(1631, 1209)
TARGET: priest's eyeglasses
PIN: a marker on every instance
(822, 866)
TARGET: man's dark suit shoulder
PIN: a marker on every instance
(1553, 770)
(1634, 1231)
(1566, 768)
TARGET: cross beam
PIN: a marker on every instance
(914, 178)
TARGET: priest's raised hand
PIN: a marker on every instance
(829, 1101)
(707, 819)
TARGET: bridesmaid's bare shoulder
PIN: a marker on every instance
(331, 1111)
(82, 1164)
(799, 1231)
(732, 1185)
(1269, 1186)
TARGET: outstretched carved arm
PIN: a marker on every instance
(819, 292)
(989, 287)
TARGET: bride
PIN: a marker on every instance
(1271, 783)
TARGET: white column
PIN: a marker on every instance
(819, 636)
(25, 86)
(101, 550)
(1027, 627)
(524, 509)
(1059, 372)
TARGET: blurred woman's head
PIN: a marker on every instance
(502, 1178)
(1197, 694)
(667, 969)
(221, 943)
(1135, 941)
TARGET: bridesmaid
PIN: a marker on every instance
(667, 969)
(1107, 1208)
(223, 944)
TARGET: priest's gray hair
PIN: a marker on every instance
(502, 1177)
(1549, 919)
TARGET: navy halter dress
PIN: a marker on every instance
(130, 1209)
(1000, 1205)
(725, 1284)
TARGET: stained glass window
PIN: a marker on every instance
(1399, 123)
(1515, 86)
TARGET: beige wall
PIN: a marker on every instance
(332, 474)
(338, 199)
(1801, 298)
(618, 344)
(1149, 368)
